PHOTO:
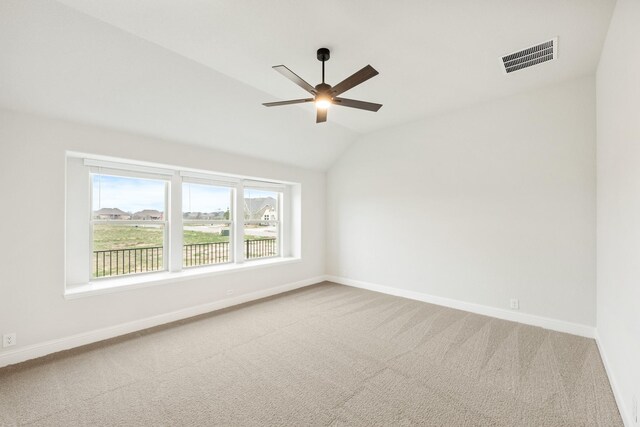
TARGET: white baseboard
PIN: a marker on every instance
(33, 351)
(514, 316)
(624, 411)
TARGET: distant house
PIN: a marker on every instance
(269, 214)
(256, 208)
(218, 215)
(148, 215)
(111, 213)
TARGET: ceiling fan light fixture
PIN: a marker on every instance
(323, 102)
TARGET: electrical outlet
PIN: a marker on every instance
(9, 339)
(514, 304)
(229, 291)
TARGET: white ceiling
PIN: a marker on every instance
(169, 63)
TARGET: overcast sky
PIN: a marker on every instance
(205, 198)
(136, 194)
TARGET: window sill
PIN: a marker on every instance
(107, 286)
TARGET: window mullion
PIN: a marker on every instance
(283, 227)
(175, 223)
(238, 219)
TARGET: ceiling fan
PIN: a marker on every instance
(324, 94)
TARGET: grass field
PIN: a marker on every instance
(111, 237)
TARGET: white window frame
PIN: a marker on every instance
(279, 208)
(98, 170)
(79, 262)
(187, 179)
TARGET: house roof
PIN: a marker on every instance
(148, 212)
(258, 204)
(111, 211)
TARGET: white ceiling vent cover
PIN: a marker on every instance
(530, 56)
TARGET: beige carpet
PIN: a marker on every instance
(322, 355)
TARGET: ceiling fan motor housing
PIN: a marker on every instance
(323, 88)
(323, 54)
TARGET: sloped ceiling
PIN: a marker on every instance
(196, 71)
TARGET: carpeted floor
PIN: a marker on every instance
(322, 355)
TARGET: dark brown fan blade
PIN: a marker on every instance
(362, 105)
(293, 101)
(354, 80)
(321, 115)
(295, 78)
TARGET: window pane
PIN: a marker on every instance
(206, 202)
(260, 240)
(206, 244)
(260, 205)
(124, 198)
(127, 249)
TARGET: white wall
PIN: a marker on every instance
(618, 172)
(32, 184)
(478, 205)
(60, 62)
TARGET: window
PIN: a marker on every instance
(127, 219)
(261, 225)
(128, 226)
(207, 220)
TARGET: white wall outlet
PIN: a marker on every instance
(514, 304)
(229, 291)
(9, 339)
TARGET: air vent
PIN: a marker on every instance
(534, 55)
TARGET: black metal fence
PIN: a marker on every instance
(205, 253)
(126, 261)
(260, 248)
(118, 262)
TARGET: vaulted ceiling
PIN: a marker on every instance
(196, 71)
